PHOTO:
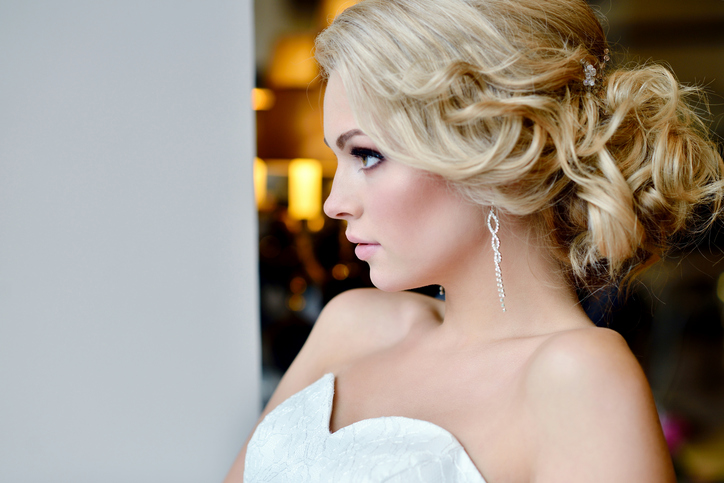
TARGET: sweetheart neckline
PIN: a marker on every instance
(330, 389)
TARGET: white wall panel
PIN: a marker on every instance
(128, 272)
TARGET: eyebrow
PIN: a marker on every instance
(344, 137)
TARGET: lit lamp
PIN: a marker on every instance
(305, 189)
(260, 174)
(292, 64)
(262, 99)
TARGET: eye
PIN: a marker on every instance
(369, 158)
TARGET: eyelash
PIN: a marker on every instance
(364, 153)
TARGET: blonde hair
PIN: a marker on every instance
(490, 95)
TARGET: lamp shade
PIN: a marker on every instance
(260, 175)
(305, 189)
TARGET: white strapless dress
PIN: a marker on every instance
(293, 444)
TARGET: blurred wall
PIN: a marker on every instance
(128, 270)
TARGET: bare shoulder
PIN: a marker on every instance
(362, 321)
(352, 325)
(370, 312)
(589, 352)
(592, 412)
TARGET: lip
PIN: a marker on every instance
(365, 248)
(354, 239)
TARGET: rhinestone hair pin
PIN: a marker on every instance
(590, 71)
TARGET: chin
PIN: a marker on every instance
(392, 284)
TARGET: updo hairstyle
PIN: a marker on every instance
(490, 95)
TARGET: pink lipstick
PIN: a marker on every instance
(365, 250)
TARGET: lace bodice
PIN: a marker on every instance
(293, 444)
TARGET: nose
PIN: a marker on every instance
(343, 200)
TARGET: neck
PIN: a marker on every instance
(538, 298)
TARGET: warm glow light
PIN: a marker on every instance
(305, 189)
(262, 99)
(720, 287)
(292, 64)
(298, 285)
(315, 224)
(260, 174)
(340, 271)
(296, 303)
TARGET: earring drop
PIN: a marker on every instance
(497, 257)
(441, 292)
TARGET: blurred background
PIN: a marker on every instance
(673, 318)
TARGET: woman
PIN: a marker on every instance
(489, 147)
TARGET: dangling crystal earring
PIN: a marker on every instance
(442, 291)
(497, 258)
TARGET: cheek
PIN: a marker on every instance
(405, 205)
(425, 212)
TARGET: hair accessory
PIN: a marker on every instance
(497, 257)
(590, 71)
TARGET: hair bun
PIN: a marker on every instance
(642, 168)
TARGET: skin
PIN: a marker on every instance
(535, 394)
